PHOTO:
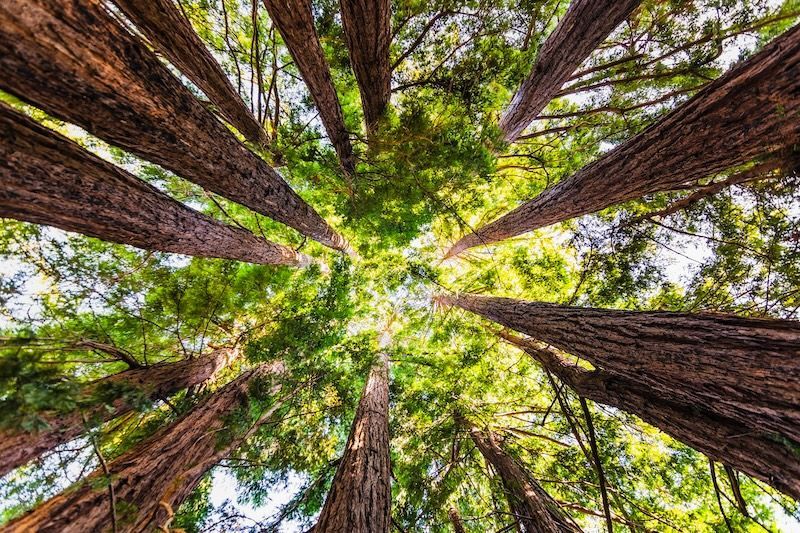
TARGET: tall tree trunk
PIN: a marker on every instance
(360, 496)
(584, 26)
(74, 61)
(169, 31)
(534, 509)
(367, 27)
(744, 369)
(295, 22)
(455, 520)
(111, 397)
(760, 454)
(155, 476)
(752, 111)
(48, 179)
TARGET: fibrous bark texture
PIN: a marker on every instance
(763, 455)
(154, 477)
(48, 179)
(368, 31)
(154, 382)
(743, 369)
(753, 110)
(295, 23)
(171, 33)
(74, 61)
(360, 496)
(584, 26)
(534, 509)
(455, 520)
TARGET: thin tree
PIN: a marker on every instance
(751, 111)
(171, 33)
(455, 520)
(360, 497)
(76, 62)
(148, 483)
(582, 28)
(295, 22)
(49, 179)
(367, 28)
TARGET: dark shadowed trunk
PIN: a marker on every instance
(110, 397)
(153, 478)
(752, 111)
(367, 29)
(295, 23)
(455, 520)
(74, 61)
(171, 33)
(763, 455)
(360, 496)
(533, 508)
(584, 26)
(744, 369)
(48, 179)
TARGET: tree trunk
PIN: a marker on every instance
(367, 27)
(760, 454)
(74, 61)
(744, 369)
(584, 26)
(752, 111)
(455, 520)
(295, 22)
(48, 179)
(152, 479)
(171, 33)
(360, 496)
(534, 509)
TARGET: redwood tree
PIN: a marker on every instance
(76, 62)
(360, 496)
(49, 179)
(752, 111)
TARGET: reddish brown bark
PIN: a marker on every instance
(584, 26)
(48, 179)
(73, 60)
(752, 111)
(360, 497)
(455, 520)
(156, 475)
(534, 509)
(295, 23)
(367, 27)
(169, 31)
(760, 454)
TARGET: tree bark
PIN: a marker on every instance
(171, 33)
(760, 454)
(584, 26)
(49, 179)
(534, 509)
(752, 111)
(74, 61)
(455, 520)
(744, 369)
(367, 27)
(295, 23)
(154, 382)
(360, 497)
(152, 479)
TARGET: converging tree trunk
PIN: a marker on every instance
(752, 111)
(49, 179)
(360, 496)
(582, 28)
(72, 59)
(763, 455)
(151, 480)
(169, 31)
(455, 520)
(295, 22)
(367, 27)
(534, 509)
(109, 397)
